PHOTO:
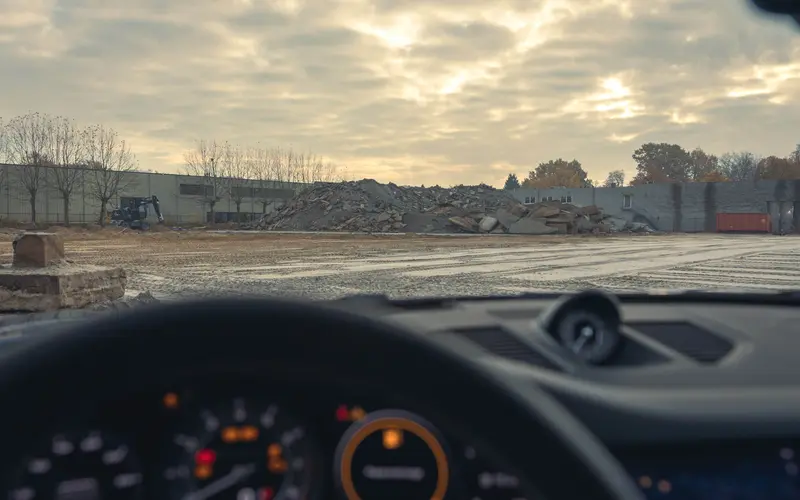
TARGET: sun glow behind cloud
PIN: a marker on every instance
(409, 91)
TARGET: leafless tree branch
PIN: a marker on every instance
(109, 163)
(29, 142)
(68, 153)
(205, 162)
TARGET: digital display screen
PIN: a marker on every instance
(750, 473)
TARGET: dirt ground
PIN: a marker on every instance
(172, 264)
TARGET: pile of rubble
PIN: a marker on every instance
(368, 206)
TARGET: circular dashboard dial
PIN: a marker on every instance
(589, 337)
(91, 464)
(243, 450)
(392, 454)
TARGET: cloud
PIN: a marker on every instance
(406, 90)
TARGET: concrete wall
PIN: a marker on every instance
(177, 207)
(685, 207)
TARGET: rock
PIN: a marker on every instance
(506, 218)
(519, 210)
(588, 210)
(542, 211)
(56, 287)
(487, 224)
(464, 223)
(37, 250)
(368, 206)
(585, 225)
(531, 226)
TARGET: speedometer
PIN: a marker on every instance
(85, 465)
(243, 450)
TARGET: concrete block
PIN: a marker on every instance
(57, 287)
(38, 250)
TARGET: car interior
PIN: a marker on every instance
(584, 395)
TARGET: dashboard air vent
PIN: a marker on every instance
(688, 339)
(502, 343)
(515, 313)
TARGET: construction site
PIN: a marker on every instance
(331, 240)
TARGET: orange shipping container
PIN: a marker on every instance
(744, 223)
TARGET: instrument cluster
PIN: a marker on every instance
(195, 445)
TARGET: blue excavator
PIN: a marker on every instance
(134, 214)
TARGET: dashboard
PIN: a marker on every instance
(212, 439)
(696, 395)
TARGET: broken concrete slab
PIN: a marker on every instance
(38, 249)
(57, 287)
(488, 223)
(531, 226)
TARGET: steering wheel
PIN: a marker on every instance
(521, 427)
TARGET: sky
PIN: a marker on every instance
(410, 91)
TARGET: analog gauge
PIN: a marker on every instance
(487, 483)
(88, 465)
(392, 454)
(243, 450)
(589, 337)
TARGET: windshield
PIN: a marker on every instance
(328, 148)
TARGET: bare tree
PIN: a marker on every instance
(615, 178)
(740, 166)
(68, 155)
(205, 161)
(109, 163)
(29, 140)
(265, 170)
(236, 172)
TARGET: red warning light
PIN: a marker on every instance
(342, 413)
(266, 493)
(205, 457)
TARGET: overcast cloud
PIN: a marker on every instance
(411, 91)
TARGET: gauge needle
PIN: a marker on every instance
(586, 334)
(236, 474)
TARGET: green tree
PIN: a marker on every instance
(662, 162)
(616, 178)
(511, 182)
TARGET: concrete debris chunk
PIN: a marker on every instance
(41, 279)
(368, 206)
(37, 249)
(57, 287)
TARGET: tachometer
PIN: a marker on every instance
(86, 465)
(392, 454)
(243, 450)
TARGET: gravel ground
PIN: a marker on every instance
(331, 265)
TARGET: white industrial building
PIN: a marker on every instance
(181, 197)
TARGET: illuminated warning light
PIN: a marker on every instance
(266, 493)
(664, 486)
(171, 400)
(248, 433)
(357, 413)
(645, 482)
(277, 465)
(205, 457)
(392, 439)
(345, 414)
(230, 434)
(275, 462)
(202, 472)
(234, 434)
